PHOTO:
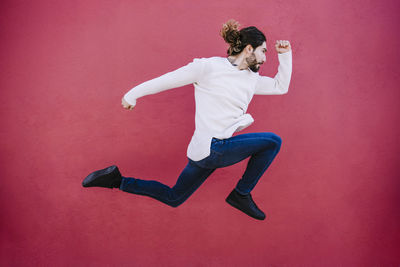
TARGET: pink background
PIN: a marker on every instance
(331, 196)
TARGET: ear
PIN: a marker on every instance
(249, 49)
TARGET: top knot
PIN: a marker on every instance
(230, 32)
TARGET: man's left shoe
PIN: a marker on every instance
(109, 177)
(245, 204)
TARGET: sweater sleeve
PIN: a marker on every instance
(187, 74)
(280, 83)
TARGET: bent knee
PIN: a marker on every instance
(175, 200)
(275, 138)
(175, 204)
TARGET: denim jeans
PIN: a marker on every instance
(261, 147)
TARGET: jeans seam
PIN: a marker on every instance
(265, 166)
(178, 199)
(252, 138)
(232, 141)
(172, 202)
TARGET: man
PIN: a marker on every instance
(224, 87)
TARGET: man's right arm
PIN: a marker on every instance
(187, 74)
(278, 85)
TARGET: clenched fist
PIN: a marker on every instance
(126, 105)
(282, 46)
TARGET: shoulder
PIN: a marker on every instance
(214, 59)
(210, 64)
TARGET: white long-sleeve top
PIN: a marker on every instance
(222, 95)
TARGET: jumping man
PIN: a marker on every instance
(224, 87)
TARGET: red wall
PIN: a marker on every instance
(331, 196)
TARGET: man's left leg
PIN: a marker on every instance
(257, 165)
(262, 149)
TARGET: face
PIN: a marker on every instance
(257, 57)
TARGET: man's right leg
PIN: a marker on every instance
(188, 181)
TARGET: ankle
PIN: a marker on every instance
(237, 191)
(117, 182)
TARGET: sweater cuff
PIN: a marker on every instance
(130, 101)
(286, 53)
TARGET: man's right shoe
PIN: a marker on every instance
(245, 204)
(109, 177)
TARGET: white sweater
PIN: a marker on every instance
(222, 95)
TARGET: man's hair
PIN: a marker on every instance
(239, 39)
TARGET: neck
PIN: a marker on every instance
(239, 61)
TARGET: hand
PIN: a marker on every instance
(282, 46)
(126, 105)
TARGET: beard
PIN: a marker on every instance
(252, 63)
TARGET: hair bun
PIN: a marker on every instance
(230, 32)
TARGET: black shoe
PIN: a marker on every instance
(245, 204)
(109, 177)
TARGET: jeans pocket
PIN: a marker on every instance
(216, 146)
(216, 152)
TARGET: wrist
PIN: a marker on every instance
(130, 101)
(284, 52)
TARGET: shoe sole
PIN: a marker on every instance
(233, 204)
(94, 175)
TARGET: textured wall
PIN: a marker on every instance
(331, 196)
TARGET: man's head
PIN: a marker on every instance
(248, 42)
(255, 57)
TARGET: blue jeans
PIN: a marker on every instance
(262, 148)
